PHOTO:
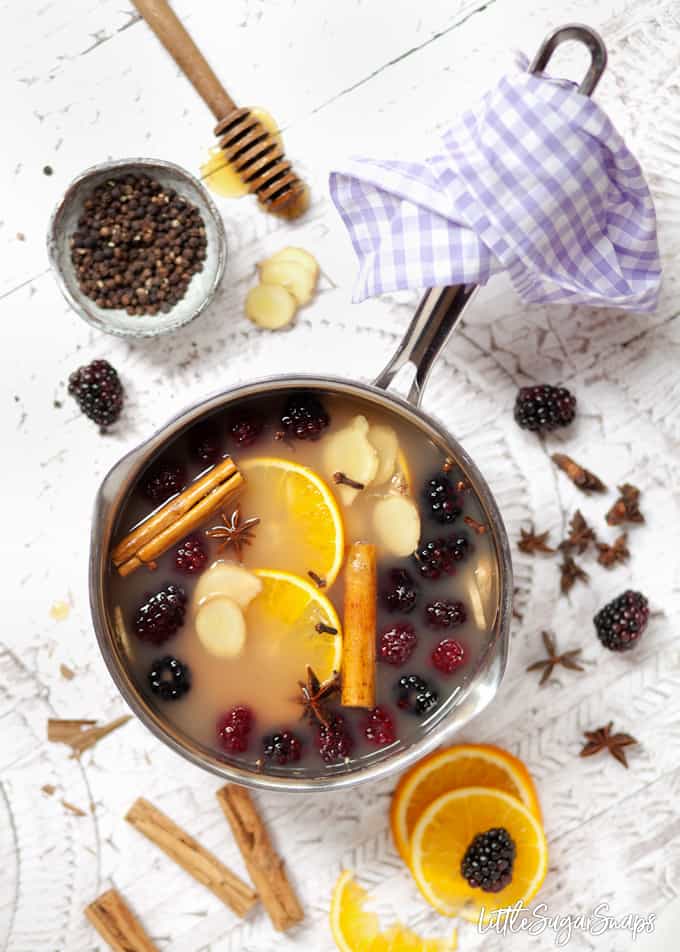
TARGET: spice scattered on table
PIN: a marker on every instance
(579, 475)
(570, 572)
(610, 555)
(603, 739)
(580, 534)
(137, 245)
(626, 508)
(117, 924)
(80, 735)
(531, 542)
(567, 659)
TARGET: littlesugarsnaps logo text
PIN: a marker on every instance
(538, 921)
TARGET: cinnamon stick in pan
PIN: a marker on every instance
(177, 518)
(265, 867)
(358, 638)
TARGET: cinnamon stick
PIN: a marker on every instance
(175, 509)
(183, 526)
(191, 856)
(117, 924)
(265, 867)
(80, 735)
(358, 644)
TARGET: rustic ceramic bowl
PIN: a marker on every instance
(117, 321)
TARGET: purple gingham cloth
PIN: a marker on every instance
(535, 180)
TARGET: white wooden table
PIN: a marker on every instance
(85, 81)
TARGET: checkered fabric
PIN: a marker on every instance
(535, 181)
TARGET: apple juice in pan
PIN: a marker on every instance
(235, 631)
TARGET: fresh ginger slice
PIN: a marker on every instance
(231, 581)
(221, 627)
(270, 306)
(349, 452)
(300, 256)
(397, 524)
(384, 439)
(290, 275)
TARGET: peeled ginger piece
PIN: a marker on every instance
(299, 256)
(384, 439)
(292, 276)
(350, 452)
(270, 306)
(230, 580)
(221, 627)
(396, 523)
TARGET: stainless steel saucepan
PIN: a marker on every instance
(431, 327)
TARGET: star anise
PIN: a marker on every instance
(234, 532)
(570, 572)
(610, 555)
(580, 536)
(547, 665)
(626, 508)
(315, 693)
(579, 475)
(603, 739)
(533, 541)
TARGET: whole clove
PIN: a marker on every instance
(579, 475)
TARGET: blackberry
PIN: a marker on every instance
(544, 407)
(439, 556)
(246, 430)
(448, 655)
(190, 557)
(397, 643)
(169, 678)
(415, 695)
(164, 481)
(621, 622)
(161, 615)
(402, 594)
(334, 741)
(378, 727)
(283, 748)
(233, 729)
(205, 444)
(442, 501)
(445, 614)
(98, 392)
(488, 860)
(304, 417)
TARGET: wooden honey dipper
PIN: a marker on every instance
(253, 152)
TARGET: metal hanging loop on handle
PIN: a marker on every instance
(581, 34)
(440, 309)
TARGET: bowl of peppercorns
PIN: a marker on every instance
(137, 246)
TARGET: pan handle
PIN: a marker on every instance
(440, 309)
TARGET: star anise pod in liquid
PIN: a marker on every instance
(234, 532)
(315, 693)
(603, 739)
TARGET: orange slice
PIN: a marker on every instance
(466, 765)
(288, 609)
(300, 528)
(444, 832)
(355, 929)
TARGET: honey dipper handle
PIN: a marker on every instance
(165, 24)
